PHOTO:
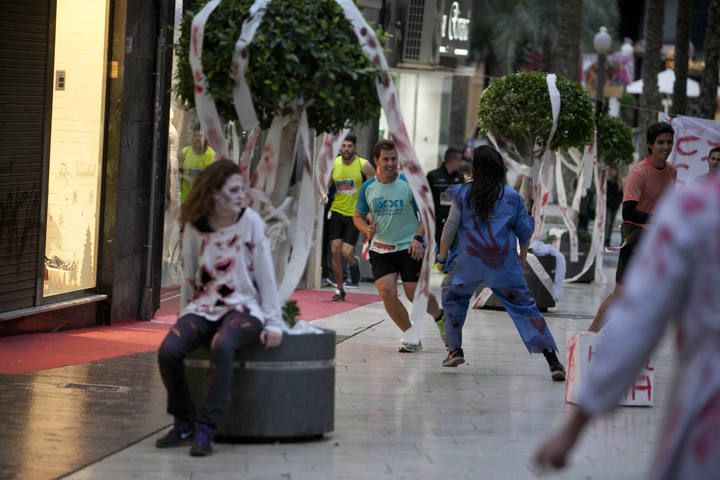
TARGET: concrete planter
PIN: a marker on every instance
(278, 393)
(573, 268)
(543, 298)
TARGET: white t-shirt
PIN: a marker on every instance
(230, 269)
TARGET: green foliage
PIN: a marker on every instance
(615, 141)
(627, 101)
(290, 312)
(302, 50)
(516, 108)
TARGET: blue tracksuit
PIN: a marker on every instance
(486, 255)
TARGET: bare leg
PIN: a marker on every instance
(387, 288)
(597, 323)
(336, 251)
(433, 308)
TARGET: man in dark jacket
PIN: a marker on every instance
(440, 179)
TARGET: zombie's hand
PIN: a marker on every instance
(270, 338)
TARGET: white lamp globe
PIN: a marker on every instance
(602, 41)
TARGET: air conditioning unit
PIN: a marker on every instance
(419, 24)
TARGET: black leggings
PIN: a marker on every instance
(229, 334)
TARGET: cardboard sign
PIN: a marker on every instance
(581, 349)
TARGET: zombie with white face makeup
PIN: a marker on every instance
(229, 296)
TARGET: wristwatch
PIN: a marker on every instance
(440, 260)
(419, 238)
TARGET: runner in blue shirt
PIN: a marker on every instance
(397, 244)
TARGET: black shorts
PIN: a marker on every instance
(626, 254)
(395, 262)
(341, 226)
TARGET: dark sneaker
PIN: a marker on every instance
(202, 446)
(352, 286)
(339, 296)
(557, 372)
(440, 324)
(454, 358)
(410, 347)
(331, 282)
(355, 271)
(181, 434)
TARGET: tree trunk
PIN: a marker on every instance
(682, 47)
(709, 85)
(567, 58)
(650, 100)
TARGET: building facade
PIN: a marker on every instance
(84, 84)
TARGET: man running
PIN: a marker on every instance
(644, 186)
(348, 174)
(397, 244)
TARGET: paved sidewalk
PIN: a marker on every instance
(404, 416)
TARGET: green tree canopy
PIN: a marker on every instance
(302, 50)
(615, 141)
(517, 109)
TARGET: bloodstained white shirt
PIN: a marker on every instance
(231, 269)
(674, 278)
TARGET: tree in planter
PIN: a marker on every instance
(516, 109)
(615, 141)
(305, 57)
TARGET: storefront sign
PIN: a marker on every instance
(455, 28)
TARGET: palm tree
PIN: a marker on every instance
(682, 45)
(512, 35)
(650, 100)
(569, 34)
(709, 85)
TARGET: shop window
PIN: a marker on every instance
(76, 146)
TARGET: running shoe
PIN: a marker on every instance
(410, 347)
(454, 358)
(339, 296)
(355, 271)
(180, 434)
(557, 372)
(203, 444)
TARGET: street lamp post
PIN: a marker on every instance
(602, 43)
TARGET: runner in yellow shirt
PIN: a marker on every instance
(348, 174)
(194, 159)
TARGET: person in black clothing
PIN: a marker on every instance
(439, 180)
(612, 201)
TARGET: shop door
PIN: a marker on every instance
(24, 37)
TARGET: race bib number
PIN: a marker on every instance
(445, 199)
(382, 247)
(345, 187)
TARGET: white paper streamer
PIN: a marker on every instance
(543, 185)
(206, 109)
(305, 224)
(241, 91)
(598, 235)
(518, 167)
(562, 200)
(329, 150)
(264, 176)
(406, 153)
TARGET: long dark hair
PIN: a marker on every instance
(488, 182)
(200, 202)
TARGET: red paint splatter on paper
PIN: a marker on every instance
(681, 141)
(692, 204)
